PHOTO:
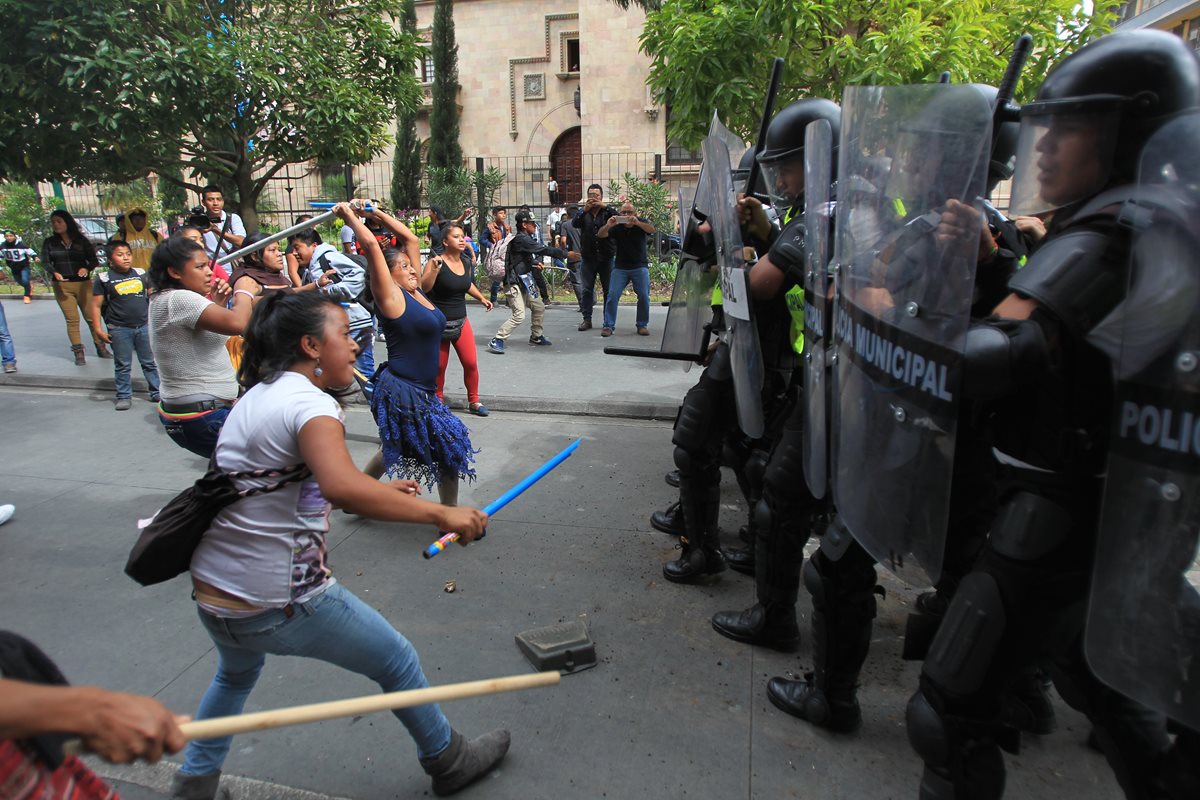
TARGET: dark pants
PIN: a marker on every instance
(589, 270)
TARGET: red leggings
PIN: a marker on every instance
(465, 347)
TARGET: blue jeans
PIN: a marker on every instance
(365, 363)
(21, 276)
(8, 354)
(124, 342)
(588, 272)
(337, 628)
(197, 434)
(640, 278)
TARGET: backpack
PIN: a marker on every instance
(497, 258)
(365, 299)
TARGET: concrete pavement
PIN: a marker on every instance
(672, 710)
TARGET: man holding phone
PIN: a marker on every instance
(628, 232)
(598, 251)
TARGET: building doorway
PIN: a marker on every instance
(566, 165)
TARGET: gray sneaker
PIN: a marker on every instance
(124, 404)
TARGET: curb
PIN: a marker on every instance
(620, 409)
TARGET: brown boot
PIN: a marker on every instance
(463, 762)
(77, 349)
(102, 350)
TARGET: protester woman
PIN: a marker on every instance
(264, 267)
(446, 278)
(421, 438)
(260, 575)
(69, 258)
(188, 331)
(196, 235)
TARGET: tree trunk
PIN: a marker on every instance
(243, 178)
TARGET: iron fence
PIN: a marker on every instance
(524, 183)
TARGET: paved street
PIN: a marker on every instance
(672, 710)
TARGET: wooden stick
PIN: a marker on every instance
(218, 727)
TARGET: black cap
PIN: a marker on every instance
(523, 217)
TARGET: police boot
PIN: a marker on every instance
(740, 558)
(701, 558)
(1027, 707)
(771, 622)
(669, 521)
(843, 610)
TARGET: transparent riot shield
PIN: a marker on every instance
(691, 297)
(1143, 628)
(908, 156)
(818, 167)
(721, 151)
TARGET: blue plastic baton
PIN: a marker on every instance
(506, 498)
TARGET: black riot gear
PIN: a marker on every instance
(1021, 606)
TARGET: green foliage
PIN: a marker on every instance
(234, 96)
(172, 194)
(406, 159)
(487, 188)
(22, 213)
(120, 197)
(650, 199)
(444, 149)
(831, 44)
(450, 189)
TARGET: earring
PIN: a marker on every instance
(317, 371)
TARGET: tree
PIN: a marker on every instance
(444, 150)
(406, 161)
(830, 44)
(231, 90)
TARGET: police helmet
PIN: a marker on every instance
(783, 148)
(1094, 113)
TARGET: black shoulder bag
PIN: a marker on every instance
(165, 546)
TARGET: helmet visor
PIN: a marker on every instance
(785, 182)
(1062, 157)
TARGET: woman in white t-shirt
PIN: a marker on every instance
(260, 574)
(188, 333)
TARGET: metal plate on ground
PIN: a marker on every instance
(566, 647)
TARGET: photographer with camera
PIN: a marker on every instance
(211, 218)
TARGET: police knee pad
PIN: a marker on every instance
(756, 466)
(962, 650)
(1030, 526)
(693, 424)
(684, 460)
(927, 731)
(814, 581)
(786, 470)
(764, 515)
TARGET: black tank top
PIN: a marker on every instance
(447, 292)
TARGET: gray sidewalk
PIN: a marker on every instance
(672, 710)
(573, 376)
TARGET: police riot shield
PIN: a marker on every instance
(691, 297)
(1143, 628)
(818, 166)
(906, 243)
(721, 151)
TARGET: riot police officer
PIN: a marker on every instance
(782, 514)
(1052, 391)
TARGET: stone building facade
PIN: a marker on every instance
(554, 87)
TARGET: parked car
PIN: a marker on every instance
(98, 230)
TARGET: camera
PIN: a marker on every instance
(198, 217)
